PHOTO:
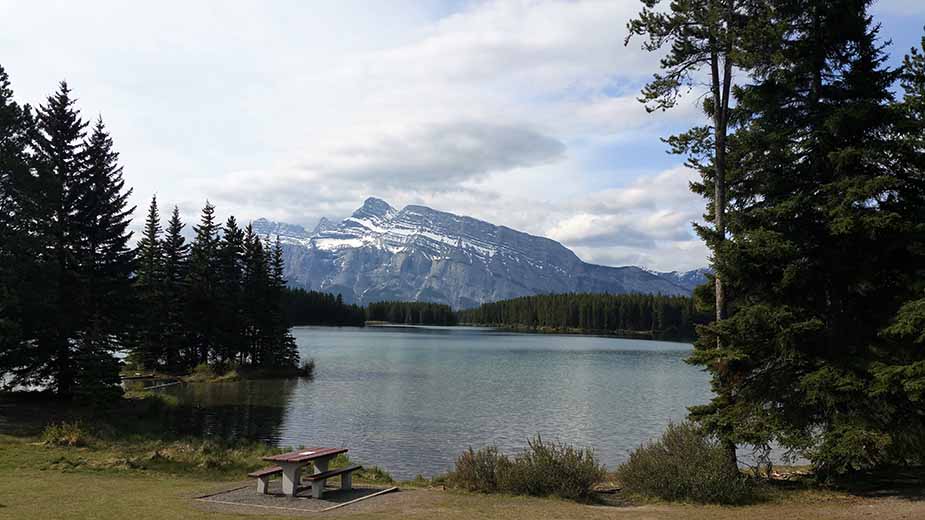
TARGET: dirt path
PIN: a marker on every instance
(425, 503)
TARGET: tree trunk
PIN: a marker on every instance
(721, 85)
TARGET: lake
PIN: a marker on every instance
(411, 399)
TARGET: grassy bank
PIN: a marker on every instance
(204, 373)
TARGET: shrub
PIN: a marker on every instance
(483, 470)
(543, 469)
(307, 368)
(685, 465)
(66, 434)
(554, 469)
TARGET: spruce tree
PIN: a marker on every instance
(18, 266)
(55, 194)
(175, 253)
(203, 318)
(105, 266)
(149, 286)
(231, 266)
(286, 351)
(254, 286)
(711, 36)
(824, 249)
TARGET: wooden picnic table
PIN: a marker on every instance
(293, 462)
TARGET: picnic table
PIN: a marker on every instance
(291, 464)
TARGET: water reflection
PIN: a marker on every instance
(411, 399)
(251, 410)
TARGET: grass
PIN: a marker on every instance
(37, 481)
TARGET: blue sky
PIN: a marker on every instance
(522, 113)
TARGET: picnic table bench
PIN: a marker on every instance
(290, 466)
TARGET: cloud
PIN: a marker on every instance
(647, 222)
(436, 156)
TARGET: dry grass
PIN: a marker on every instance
(99, 482)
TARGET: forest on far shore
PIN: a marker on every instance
(650, 316)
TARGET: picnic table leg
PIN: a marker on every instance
(262, 484)
(346, 481)
(321, 465)
(291, 478)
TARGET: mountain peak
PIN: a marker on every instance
(373, 207)
(323, 225)
(262, 226)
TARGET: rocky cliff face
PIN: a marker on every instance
(418, 253)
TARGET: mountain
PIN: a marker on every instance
(686, 279)
(418, 253)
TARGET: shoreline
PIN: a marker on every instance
(552, 331)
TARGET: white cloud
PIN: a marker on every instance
(647, 222)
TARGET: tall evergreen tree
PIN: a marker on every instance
(55, 194)
(18, 266)
(175, 252)
(105, 265)
(700, 35)
(203, 317)
(825, 248)
(231, 266)
(286, 351)
(149, 286)
(255, 297)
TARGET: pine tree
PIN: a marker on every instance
(175, 252)
(55, 194)
(826, 228)
(254, 284)
(711, 35)
(203, 318)
(18, 266)
(149, 286)
(231, 259)
(106, 263)
(286, 350)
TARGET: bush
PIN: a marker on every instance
(685, 465)
(307, 368)
(554, 469)
(483, 471)
(66, 434)
(543, 469)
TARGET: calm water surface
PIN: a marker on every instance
(411, 399)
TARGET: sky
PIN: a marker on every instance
(521, 113)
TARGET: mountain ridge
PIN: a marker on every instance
(422, 254)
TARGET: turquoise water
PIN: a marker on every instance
(411, 399)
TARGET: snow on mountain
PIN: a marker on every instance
(418, 253)
(687, 279)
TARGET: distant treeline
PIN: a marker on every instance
(318, 308)
(654, 316)
(412, 313)
(636, 315)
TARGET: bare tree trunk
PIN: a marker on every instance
(721, 85)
